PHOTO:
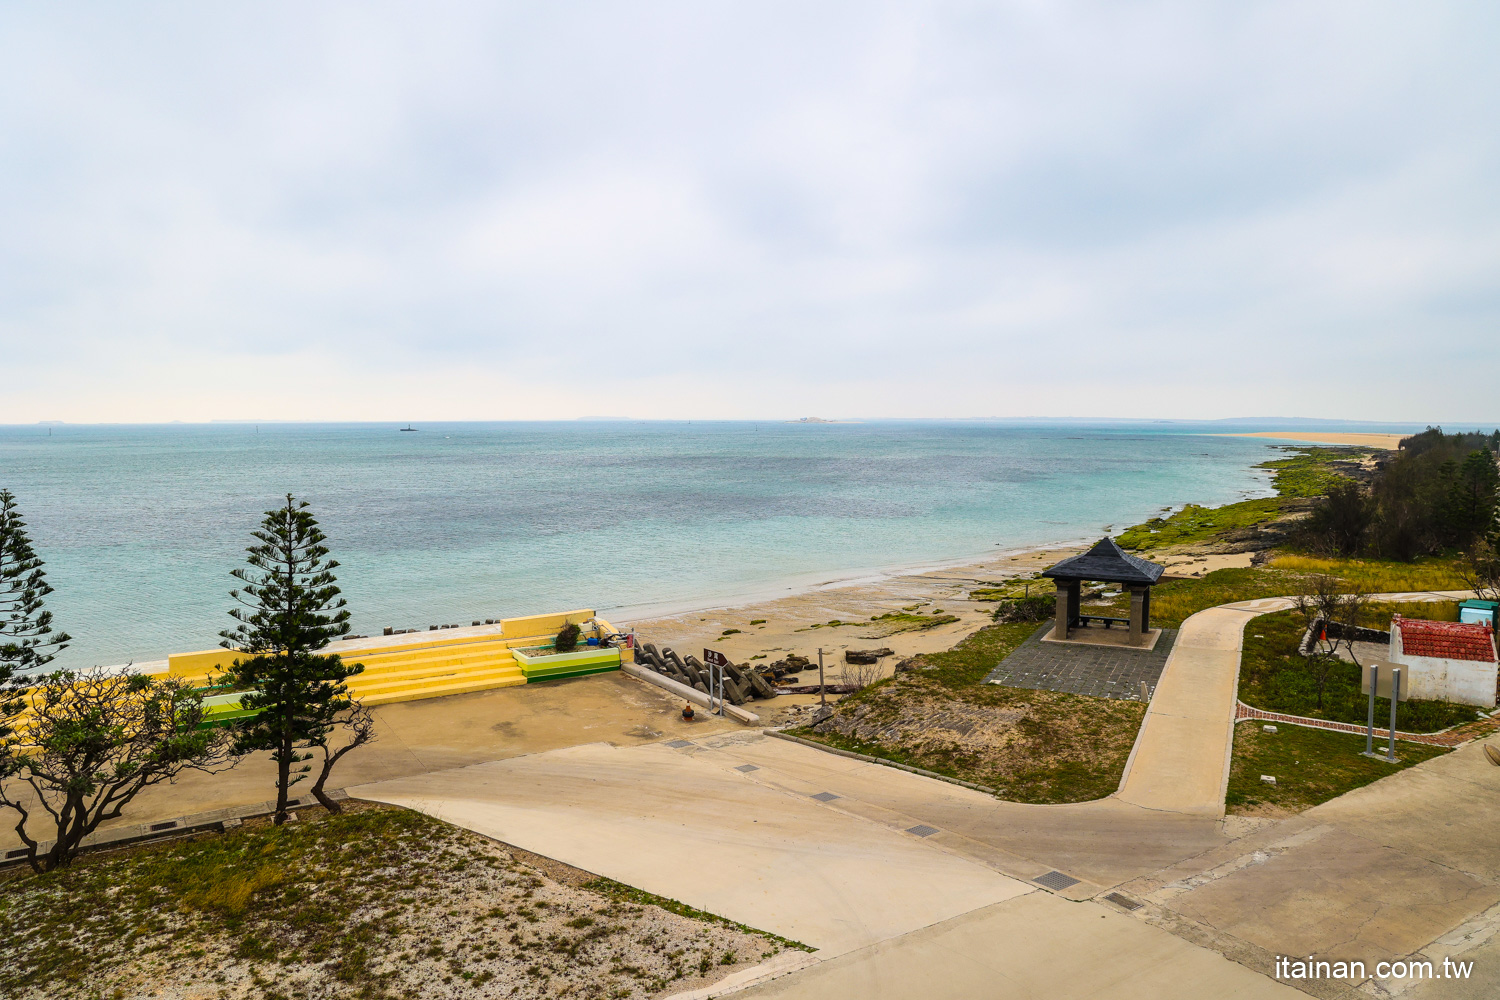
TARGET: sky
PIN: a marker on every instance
(495, 211)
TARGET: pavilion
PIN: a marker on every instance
(1106, 562)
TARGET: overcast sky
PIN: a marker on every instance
(549, 210)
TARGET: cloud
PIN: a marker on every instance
(480, 212)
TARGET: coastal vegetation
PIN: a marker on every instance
(1305, 474)
(1438, 495)
(27, 641)
(1310, 766)
(938, 714)
(290, 609)
(377, 902)
(89, 744)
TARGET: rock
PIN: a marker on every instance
(866, 655)
(910, 663)
(761, 686)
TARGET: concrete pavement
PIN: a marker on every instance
(692, 827)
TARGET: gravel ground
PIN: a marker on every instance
(377, 903)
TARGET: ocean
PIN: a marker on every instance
(140, 526)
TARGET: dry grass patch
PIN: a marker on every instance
(1030, 746)
(378, 902)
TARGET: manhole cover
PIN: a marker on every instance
(825, 796)
(747, 768)
(1055, 881)
(923, 830)
(679, 743)
(1124, 901)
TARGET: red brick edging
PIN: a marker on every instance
(1457, 736)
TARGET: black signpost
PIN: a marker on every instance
(716, 662)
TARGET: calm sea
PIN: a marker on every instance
(140, 526)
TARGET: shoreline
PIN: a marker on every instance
(1384, 442)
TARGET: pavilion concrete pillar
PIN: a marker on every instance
(1060, 624)
(1075, 600)
(1139, 596)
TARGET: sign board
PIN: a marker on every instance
(714, 658)
(1385, 672)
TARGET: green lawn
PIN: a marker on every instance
(1273, 677)
(1310, 766)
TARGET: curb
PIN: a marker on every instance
(220, 820)
(879, 760)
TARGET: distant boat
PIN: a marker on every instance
(408, 427)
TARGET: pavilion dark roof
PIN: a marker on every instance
(1107, 562)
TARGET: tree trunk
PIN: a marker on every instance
(283, 777)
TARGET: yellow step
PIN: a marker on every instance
(443, 690)
(399, 681)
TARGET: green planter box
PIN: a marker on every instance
(541, 663)
(222, 709)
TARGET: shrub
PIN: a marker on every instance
(1037, 608)
(567, 638)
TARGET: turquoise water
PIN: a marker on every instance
(140, 526)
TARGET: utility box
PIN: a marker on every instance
(1480, 613)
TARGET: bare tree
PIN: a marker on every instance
(91, 742)
(861, 675)
(1480, 570)
(361, 726)
(1332, 615)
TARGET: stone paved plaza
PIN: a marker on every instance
(1099, 671)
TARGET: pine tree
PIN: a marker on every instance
(290, 609)
(27, 641)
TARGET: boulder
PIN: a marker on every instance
(865, 655)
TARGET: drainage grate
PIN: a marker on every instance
(1124, 901)
(679, 743)
(1055, 881)
(825, 796)
(923, 830)
(170, 824)
(747, 768)
(19, 852)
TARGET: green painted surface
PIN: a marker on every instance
(539, 665)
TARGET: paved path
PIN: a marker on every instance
(1181, 758)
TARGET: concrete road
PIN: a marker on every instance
(690, 826)
(1035, 947)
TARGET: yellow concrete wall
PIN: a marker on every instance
(201, 663)
(549, 625)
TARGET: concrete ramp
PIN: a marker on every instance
(698, 830)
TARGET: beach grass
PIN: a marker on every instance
(1030, 746)
(1379, 576)
(1310, 766)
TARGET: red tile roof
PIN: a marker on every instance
(1447, 640)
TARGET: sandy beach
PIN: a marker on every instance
(1388, 442)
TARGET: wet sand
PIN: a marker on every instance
(1387, 441)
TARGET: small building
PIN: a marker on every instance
(1446, 661)
(1106, 562)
